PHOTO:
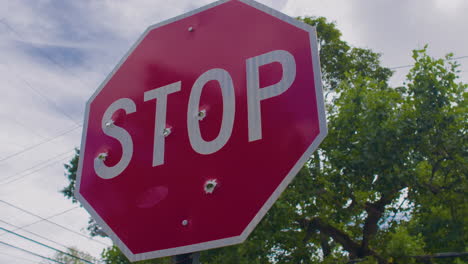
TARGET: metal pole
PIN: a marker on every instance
(189, 258)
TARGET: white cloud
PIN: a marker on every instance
(450, 6)
(395, 28)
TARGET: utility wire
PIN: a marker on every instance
(34, 171)
(38, 221)
(44, 245)
(30, 252)
(35, 166)
(40, 143)
(17, 257)
(44, 219)
(47, 56)
(40, 166)
(23, 126)
(32, 233)
(48, 100)
(411, 65)
(35, 90)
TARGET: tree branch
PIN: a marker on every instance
(374, 213)
(441, 255)
(337, 235)
(326, 249)
(399, 207)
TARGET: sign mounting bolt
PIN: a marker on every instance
(185, 222)
(190, 29)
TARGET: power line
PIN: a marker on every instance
(11, 29)
(34, 167)
(48, 100)
(32, 233)
(37, 91)
(17, 257)
(44, 245)
(20, 124)
(459, 58)
(30, 252)
(34, 171)
(40, 143)
(44, 166)
(44, 219)
(401, 67)
(38, 221)
(411, 65)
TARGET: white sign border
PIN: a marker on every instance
(275, 195)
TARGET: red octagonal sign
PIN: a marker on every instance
(200, 127)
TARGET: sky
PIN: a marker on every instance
(54, 54)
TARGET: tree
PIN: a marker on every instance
(72, 256)
(439, 116)
(113, 255)
(388, 182)
(338, 59)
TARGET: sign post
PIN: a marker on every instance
(199, 128)
(188, 258)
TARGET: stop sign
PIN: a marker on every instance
(200, 127)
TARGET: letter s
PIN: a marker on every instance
(122, 135)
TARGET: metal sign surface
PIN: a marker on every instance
(200, 127)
